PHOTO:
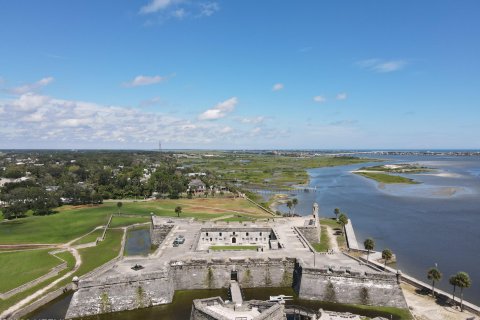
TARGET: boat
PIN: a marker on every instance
(280, 298)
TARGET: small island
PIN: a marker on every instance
(387, 173)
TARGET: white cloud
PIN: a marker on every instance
(32, 86)
(178, 9)
(254, 120)
(33, 117)
(156, 5)
(144, 81)
(319, 99)
(209, 8)
(179, 13)
(342, 96)
(277, 87)
(220, 110)
(226, 129)
(255, 131)
(382, 66)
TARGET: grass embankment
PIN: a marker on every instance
(91, 237)
(324, 244)
(103, 252)
(20, 267)
(233, 248)
(386, 178)
(119, 221)
(67, 256)
(272, 171)
(71, 222)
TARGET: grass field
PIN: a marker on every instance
(236, 248)
(105, 251)
(19, 267)
(71, 222)
(119, 221)
(67, 256)
(341, 241)
(91, 237)
(386, 178)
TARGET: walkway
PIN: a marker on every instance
(350, 234)
(236, 293)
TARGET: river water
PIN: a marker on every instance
(435, 222)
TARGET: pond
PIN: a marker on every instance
(138, 242)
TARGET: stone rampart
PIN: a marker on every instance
(120, 294)
(354, 287)
(217, 273)
(158, 233)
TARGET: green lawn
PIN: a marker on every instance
(67, 256)
(119, 221)
(105, 251)
(218, 248)
(324, 244)
(72, 222)
(69, 223)
(19, 267)
(386, 178)
(331, 222)
(91, 237)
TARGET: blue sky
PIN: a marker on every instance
(239, 74)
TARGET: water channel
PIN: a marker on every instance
(435, 222)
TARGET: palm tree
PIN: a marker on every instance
(369, 245)
(434, 275)
(178, 210)
(337, 212)
(294, 203)
(343, 219)
(387, 255)
(463, 281)
(289, 205)
(119, 205)
(453, 281)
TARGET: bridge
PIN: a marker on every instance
(236, 293)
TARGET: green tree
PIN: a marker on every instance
(294, 203)
(453, 281)
(178, 210)
(369, 245)
(336, 211)
(119, 205)
(289, 205)
(435, 275)
(387, 255)
(463, 281)
(343, 220)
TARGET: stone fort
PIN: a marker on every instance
(280, 255)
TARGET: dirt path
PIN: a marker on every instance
(333, 239)
(41, 292)
(425, 308)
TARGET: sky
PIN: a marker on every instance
(225, 74)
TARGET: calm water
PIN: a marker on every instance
(423, 224)
(138, 242)
(181, 306)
